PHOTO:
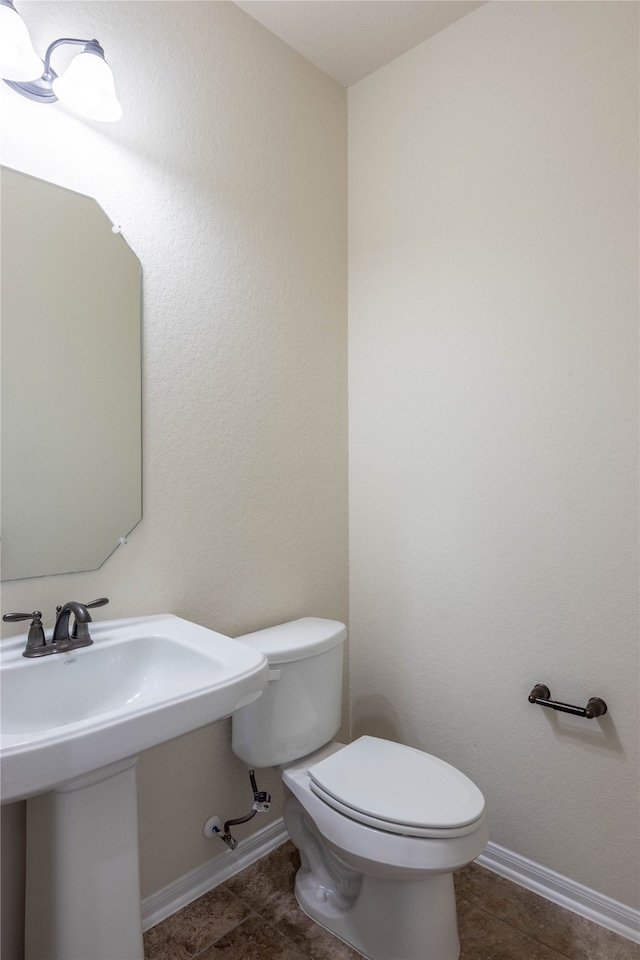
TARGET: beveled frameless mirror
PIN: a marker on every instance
(71, 381)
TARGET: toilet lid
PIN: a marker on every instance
(397, 788)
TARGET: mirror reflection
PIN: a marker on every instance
(71, 385)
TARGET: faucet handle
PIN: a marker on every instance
(100, 602)
(36, 643)
(81, 630)
(14, 617)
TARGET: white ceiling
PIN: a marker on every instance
(349, 39)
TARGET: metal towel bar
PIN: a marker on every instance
(542, 695)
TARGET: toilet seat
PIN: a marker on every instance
(398, 789)
(372, 849)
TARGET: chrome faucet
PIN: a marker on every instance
(63, 639)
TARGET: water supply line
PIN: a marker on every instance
(261, 803)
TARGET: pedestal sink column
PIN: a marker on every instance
(83, 886)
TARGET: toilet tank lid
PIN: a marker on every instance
(297, 639)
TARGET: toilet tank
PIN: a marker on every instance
(301, 707)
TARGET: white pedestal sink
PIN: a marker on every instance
(72, 726)
(83, 885)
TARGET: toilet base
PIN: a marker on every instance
(383, 917)
(390, 919)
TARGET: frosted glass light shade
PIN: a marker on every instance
(87, 87)
(18, 59)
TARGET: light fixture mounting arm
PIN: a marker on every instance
(41, 89)
(91, 46)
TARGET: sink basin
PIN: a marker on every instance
(143, 681)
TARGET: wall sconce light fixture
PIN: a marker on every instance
(86, 87)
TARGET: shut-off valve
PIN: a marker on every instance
(261, 803)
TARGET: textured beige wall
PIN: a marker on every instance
(493, 418)
(227, 174)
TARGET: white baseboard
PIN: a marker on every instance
(194, 884)
(552, 886)
(567, 893)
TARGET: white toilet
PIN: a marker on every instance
(380, 826)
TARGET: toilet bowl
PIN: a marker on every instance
(380, 826)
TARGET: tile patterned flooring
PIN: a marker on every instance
(254, 916)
